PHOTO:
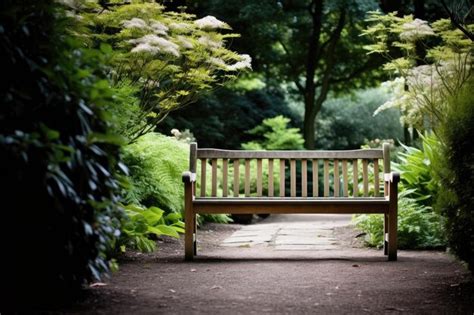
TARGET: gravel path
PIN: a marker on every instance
(286, 264)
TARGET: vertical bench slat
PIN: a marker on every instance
(376, 177)
(365, 177)
(293, 177)
(214, 178)
(315, 178)
(326, 178)
(236, 177)
(247, 178)
(225, 171)
(282, 178)
(270, 178)
(259, 177)
(355, 178)
(344, 179)
(304, 180)
(203, 177)
(336, 178)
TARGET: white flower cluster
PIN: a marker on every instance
(155, 26)
(154, 44)
(135, 23)
(208, 42)
(244, 63)
(159, 28)
(210, 22)
(423, 77)
(179, 26)
(217, 62)
(184, 42)
(415, 30)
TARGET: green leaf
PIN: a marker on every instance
(152, 218)
(173, 217)
(106, 48)
(116, 139)
(163, 230)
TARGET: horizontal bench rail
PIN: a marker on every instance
(241, 154)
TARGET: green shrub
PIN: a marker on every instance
(418, 226)
(456, 170)
(348, 122)
(274, 134)
(156, 163)
(59, 158)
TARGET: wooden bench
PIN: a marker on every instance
(351, 184)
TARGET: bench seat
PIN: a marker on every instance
(343, 205)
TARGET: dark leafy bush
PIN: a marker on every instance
(456, 170)
(59, 192)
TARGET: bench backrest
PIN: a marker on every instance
(349, 173)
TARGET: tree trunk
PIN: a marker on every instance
(310, 113)
(312, 103)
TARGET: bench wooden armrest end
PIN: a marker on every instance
(188, 177)
(392, 177)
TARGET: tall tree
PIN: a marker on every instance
(312, 45)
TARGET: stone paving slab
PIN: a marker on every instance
(304, 241)
(301, 235)
(305, 247)
(246, 239)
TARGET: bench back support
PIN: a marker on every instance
(350, 173)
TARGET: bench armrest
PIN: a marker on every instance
(392, 177)
(189, 177)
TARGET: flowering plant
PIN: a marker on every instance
(424, 80)
(171, 57)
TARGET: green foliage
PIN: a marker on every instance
(347, 122)
(274, 134)
(59, 156)
(418, 226)
(142, 224)
(156, 163)
(228, 110)
(455, 168)
(167, 58)
(417, 172)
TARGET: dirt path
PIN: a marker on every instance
(258, 278)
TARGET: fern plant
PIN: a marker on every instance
(156, 163)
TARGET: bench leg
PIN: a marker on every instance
(195, 234)
(189, 223)
(385, 234)
(392, 237)
(393, 221)
(189, 238)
